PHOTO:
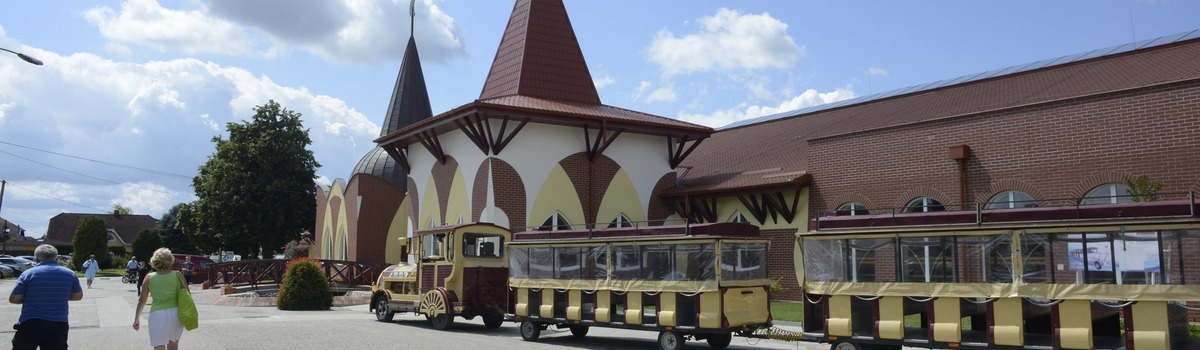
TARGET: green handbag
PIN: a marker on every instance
(188, 316)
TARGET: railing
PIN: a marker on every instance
(255, 273)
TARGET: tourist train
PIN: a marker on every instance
(1114, 276)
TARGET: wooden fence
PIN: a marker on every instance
(255, 273)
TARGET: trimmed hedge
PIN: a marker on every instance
(304, 287)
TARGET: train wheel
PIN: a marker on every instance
(845, 345)
(530, 331)
(383, 313)
(668, 340)
(719, 341)
(442, 322)
(579, 331)
(492, 320)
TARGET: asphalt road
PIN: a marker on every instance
(103, 319)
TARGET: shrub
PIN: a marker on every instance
(304, 287)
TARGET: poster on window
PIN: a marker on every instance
(1137, 253)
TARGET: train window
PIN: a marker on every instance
(627, 263)
(1038, 267)
(595, 262)
(431, 247)
(518, 262)
(824, 260)
(568, 263)
(481, 245)
(541, 262)
(1179, 264)
(657, 263)
(872, 260)
(985, 259)
(695, 262)
(927, 259)
(743, 261)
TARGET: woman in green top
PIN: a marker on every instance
(164, 285)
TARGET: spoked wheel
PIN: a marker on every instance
(668, 340)
(579, 331)
(126, 279)
(847, 346)
(492, 320)
(436, 309)
(383, 313)
(719, 341)
(530, 331)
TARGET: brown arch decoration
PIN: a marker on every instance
(509, 191)
(923, 192)
(1089, 182)
(443, 179)
(595, 174)
(1009, 185)
(414, 205)
(658, 210)
(479, 190)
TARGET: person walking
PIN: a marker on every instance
(43, 292)
(187, 270)
(164, 285)
(132, 266)
(143, 269)
(90, 267)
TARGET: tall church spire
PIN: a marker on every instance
(539, 56)
(410, 98)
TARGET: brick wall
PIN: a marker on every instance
(379, 204)
(443, 179)
(780, 265)
(595, 174)
(509, 192)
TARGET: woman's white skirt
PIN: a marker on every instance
(165, 327)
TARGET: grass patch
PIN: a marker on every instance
(787, 311)
(117, 272)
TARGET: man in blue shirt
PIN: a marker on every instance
(43, 292)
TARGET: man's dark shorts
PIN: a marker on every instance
(47, 334)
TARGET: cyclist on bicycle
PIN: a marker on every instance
(131, 267)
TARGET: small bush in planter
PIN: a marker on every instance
(304, 287)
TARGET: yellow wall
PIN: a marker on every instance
(458, 204)
(430, 208)
(556, 194)
(726, 206)
(620, 198)
(397, 230)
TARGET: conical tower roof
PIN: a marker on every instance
(539, 56)
(410, 98)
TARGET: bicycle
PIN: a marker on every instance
(129, 277)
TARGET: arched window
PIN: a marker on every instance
(555, 222)
(923, 205)
(620, 221)
(852, 209)
(1110, 193)
(1010, 200)
(738, 217)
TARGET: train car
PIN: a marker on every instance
(1113, 276)
(461, 272)
(701, 281)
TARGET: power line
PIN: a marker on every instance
(100, 161)
(89, 176)
(56, 198)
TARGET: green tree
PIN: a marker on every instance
(1142, 188)
(121, 209)
(172, 235)
(91, 238)
(146, 243)
(257, 190)
(304, 287)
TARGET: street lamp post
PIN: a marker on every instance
(25, 57)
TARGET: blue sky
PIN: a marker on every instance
(146, 84)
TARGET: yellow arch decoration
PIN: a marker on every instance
(332, 236)
(458, 204)
(556, 194)
(430, 208)
(397, 230)
(620, 198)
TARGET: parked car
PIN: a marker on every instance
(27, 257)
(199, 266)
(6, 271)
(17, 263)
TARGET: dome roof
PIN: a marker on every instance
(379, 164)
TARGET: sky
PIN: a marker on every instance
(132, 92)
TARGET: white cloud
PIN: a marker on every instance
(662, 94)
(603, 81)
(158, 115)
(729, 40)
(876, 71)
(808, 98)
(339, 31)
(640, 90)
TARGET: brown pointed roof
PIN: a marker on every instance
(539, 56)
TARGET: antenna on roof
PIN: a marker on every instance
(1132, 33)
(412, 17)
